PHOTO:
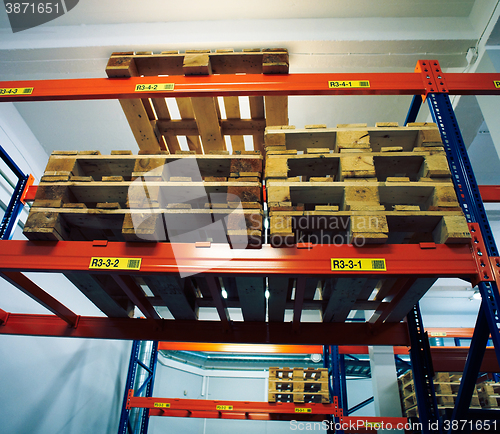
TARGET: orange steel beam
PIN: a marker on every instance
(302, 349)
(265, 349)
(241, 85)
(490, 193)
(175, 407)
(428, 259)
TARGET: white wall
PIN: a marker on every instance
(53, 385)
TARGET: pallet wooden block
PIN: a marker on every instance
(151, 122)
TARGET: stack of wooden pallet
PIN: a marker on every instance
(489, 394)
(361, 185)
(298, 385)
(446, 385)
(125, 197)
(151, 121)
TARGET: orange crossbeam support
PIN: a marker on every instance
(262, 411)
(443, 260)
(245, 85)
(490, 193)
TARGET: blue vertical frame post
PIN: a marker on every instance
(472, 205)
(15, 206)
(129, 384)
(336, 386)
(125, 426)
(421, 362)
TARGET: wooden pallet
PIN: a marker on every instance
(384, 137)
(310, 380)
(345, 185)
(141, 198)
(278, 396)
(364, 212)
(489, 394)
(150, 119)
(379, 166)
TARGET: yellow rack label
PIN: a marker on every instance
(358, 264)
(162, 405)
(303, 410)
(373, 425)
(348, 84)
(154, 87)
(224, 407)
(115, 263)
(497, 83)
(16, 91)
(437, 334)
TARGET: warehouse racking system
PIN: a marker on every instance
(478, 263)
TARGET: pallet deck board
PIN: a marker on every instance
(144, 122)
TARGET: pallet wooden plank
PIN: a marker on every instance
(276, 108)
(163, 113)
(257, 112)
(186, 111)
(232, 106)
(343, 293)
(207, 119)
(178, 295)
(279, 288)
(401, 307)
(251, 293)
(140, 125)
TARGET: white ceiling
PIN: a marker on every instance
(321, 36)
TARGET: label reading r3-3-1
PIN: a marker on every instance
(358, 264)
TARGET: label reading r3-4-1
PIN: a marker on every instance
(358, 264)
(348, 84)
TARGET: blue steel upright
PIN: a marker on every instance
(473, 208)
(146, 389)
(15, 205)
(337, 384)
